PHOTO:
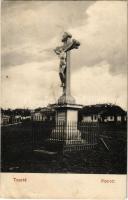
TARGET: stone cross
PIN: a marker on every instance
(64, 71)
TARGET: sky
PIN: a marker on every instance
(32, 29)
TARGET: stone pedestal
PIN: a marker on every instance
(67, 112)
(66, 123)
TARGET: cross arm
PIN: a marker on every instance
(74, 44)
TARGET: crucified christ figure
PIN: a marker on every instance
(62, 67)
(61, 51)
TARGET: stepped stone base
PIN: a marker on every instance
(65, 131)
(64, 145)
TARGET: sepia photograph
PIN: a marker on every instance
(64, 87)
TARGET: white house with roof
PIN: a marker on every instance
(43, 114)
(102, 113)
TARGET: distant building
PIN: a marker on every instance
(5, 119)
(25, 118)
(102, 113)
(17, 118)
(37, 116)
(43, 114)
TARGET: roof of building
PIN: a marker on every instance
(44, 110)
(102, 109)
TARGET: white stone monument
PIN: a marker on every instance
(66, 108)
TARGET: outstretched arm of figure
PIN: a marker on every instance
(58, 50)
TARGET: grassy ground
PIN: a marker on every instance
(18, 155)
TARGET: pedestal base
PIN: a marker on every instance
(67, 112)
(66, 145)
(66, 122)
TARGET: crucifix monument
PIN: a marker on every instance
(66, 108)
